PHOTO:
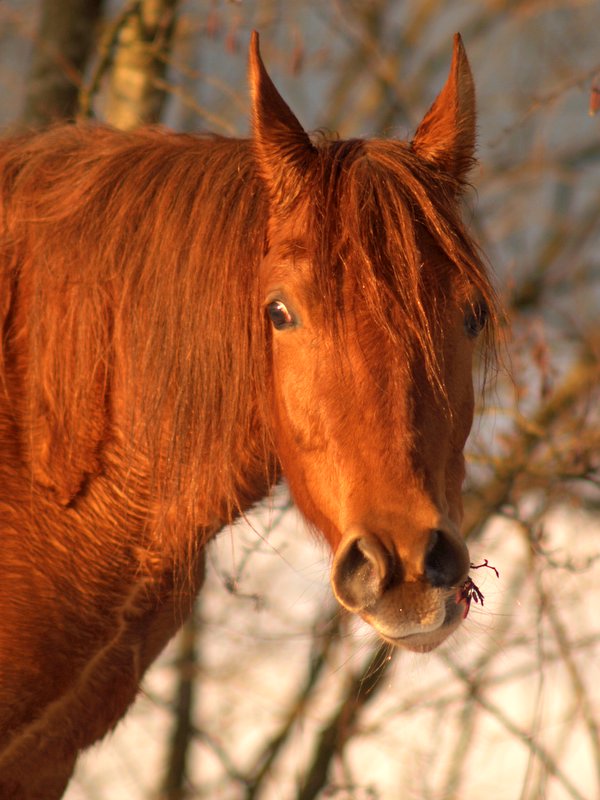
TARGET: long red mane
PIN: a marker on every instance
(151, 235)
(376, 204)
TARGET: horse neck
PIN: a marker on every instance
(157, 344)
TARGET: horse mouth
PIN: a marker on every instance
(455, 611)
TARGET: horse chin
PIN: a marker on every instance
(423, 642)
(427, 640)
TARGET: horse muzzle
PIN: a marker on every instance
(410, 595)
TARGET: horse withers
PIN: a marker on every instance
(185, 318)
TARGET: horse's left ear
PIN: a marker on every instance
(282, 145)
(446, 136)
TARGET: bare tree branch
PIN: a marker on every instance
(362, 690)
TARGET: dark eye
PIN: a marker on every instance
(280, 316)
(475, 319)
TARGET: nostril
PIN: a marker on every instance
(361, 572)
(446, 560)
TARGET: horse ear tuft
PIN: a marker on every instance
(446, 136)
(283, 147)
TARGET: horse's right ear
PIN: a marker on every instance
(282, 145)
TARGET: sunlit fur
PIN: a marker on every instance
(137, 382)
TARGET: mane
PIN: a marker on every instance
(159, 235)
(378, 205)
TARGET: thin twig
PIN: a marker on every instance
(361, 691)
(189, 101)
(468, 716)
(317, 663)
(518, 733)
(584, 701)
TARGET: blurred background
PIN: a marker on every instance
(269, 692)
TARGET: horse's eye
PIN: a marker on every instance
(280, 316)
(475, 319)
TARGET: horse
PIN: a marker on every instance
(186, 319)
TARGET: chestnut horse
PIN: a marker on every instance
(185, 318)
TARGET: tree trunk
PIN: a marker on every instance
(62, 47)
(136, 87)
(175, 779)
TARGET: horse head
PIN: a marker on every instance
(374, 296)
